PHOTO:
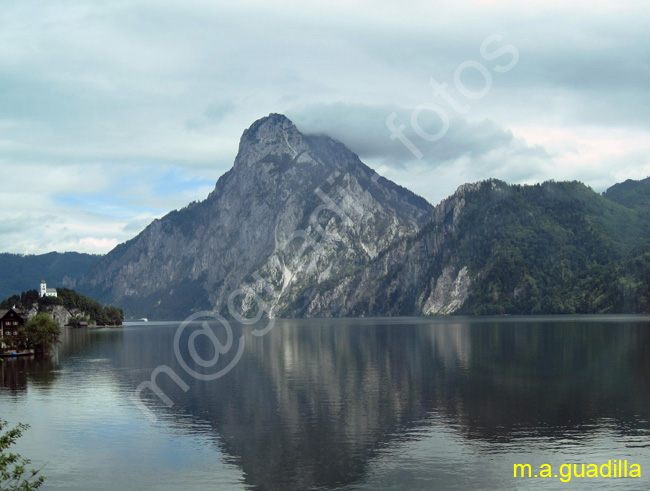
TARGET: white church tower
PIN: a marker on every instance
(47, 292)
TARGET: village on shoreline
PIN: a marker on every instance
(68, 310)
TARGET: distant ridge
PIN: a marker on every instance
(20, 272)
(632, 194)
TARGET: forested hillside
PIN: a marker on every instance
(554, 248)
(494, 248)
(23, 272)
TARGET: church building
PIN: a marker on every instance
(47, 292)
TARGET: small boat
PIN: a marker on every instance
(14, 353)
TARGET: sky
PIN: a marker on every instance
(115, 112)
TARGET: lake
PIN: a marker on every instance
(372, 404)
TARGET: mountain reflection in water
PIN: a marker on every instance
(322, 403)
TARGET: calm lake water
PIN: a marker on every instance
(367, 404)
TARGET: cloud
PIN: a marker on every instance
(90, 208)
(115, 112)
(476, 150)
(365, 129)
(98, 244)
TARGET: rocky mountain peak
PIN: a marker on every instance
(285, 189)
(268, 125)
(274, 135)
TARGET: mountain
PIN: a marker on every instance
(25, 272)
(493, 248)
(631, 193)
(295, 210)
(301, 227)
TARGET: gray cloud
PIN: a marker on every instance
(110, 99)
(364, 130)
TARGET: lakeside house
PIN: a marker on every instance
(47, 292)
(10, 321)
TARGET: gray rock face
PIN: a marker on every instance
(448, 292)
(59, 313)
(295, 215)
(415, 276)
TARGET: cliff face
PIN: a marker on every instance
(295, 211)
(59, 313)
(417, 275)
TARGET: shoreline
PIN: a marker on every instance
(17, 353)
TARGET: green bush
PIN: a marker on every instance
(40, 333)
(14, 475)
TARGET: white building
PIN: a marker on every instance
(47, 292)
